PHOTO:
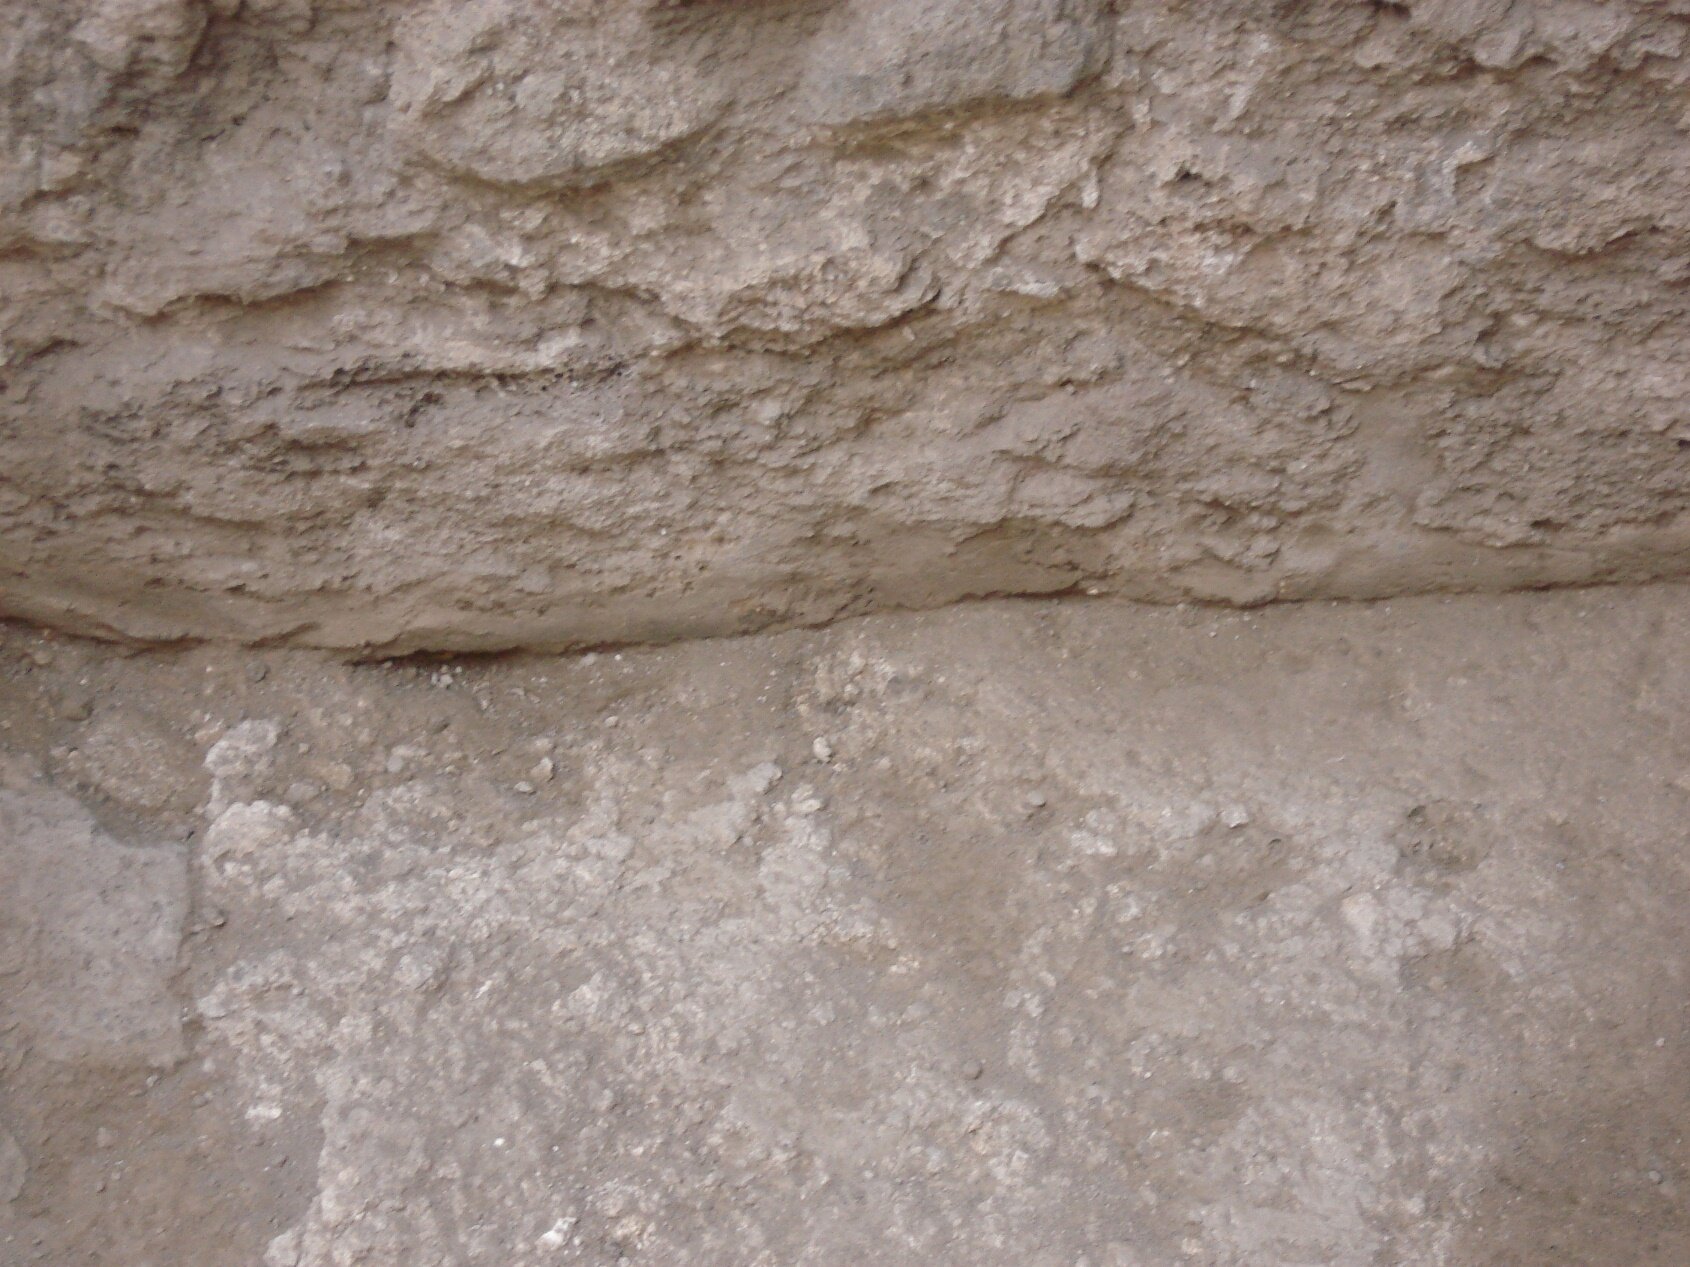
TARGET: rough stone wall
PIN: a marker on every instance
(553, 322)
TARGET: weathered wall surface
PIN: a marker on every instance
(563, 321)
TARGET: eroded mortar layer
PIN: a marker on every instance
(557, 321)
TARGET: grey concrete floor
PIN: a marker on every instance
(1021, 933)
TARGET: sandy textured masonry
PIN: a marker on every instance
(552, 322)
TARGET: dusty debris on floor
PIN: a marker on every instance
(1017, 933)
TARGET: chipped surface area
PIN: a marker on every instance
(89, 929)
(559, 323)
(1020, 933)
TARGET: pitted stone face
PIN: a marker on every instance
(888, 59)
(543, 94)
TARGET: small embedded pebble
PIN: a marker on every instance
(556, 1235)
(543, 770)
(525, 787)
(822, 749)
(76, 706)
(972, 1069)
(1235, 816)
(257, 671)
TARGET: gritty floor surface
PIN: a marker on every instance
(1022, 933)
